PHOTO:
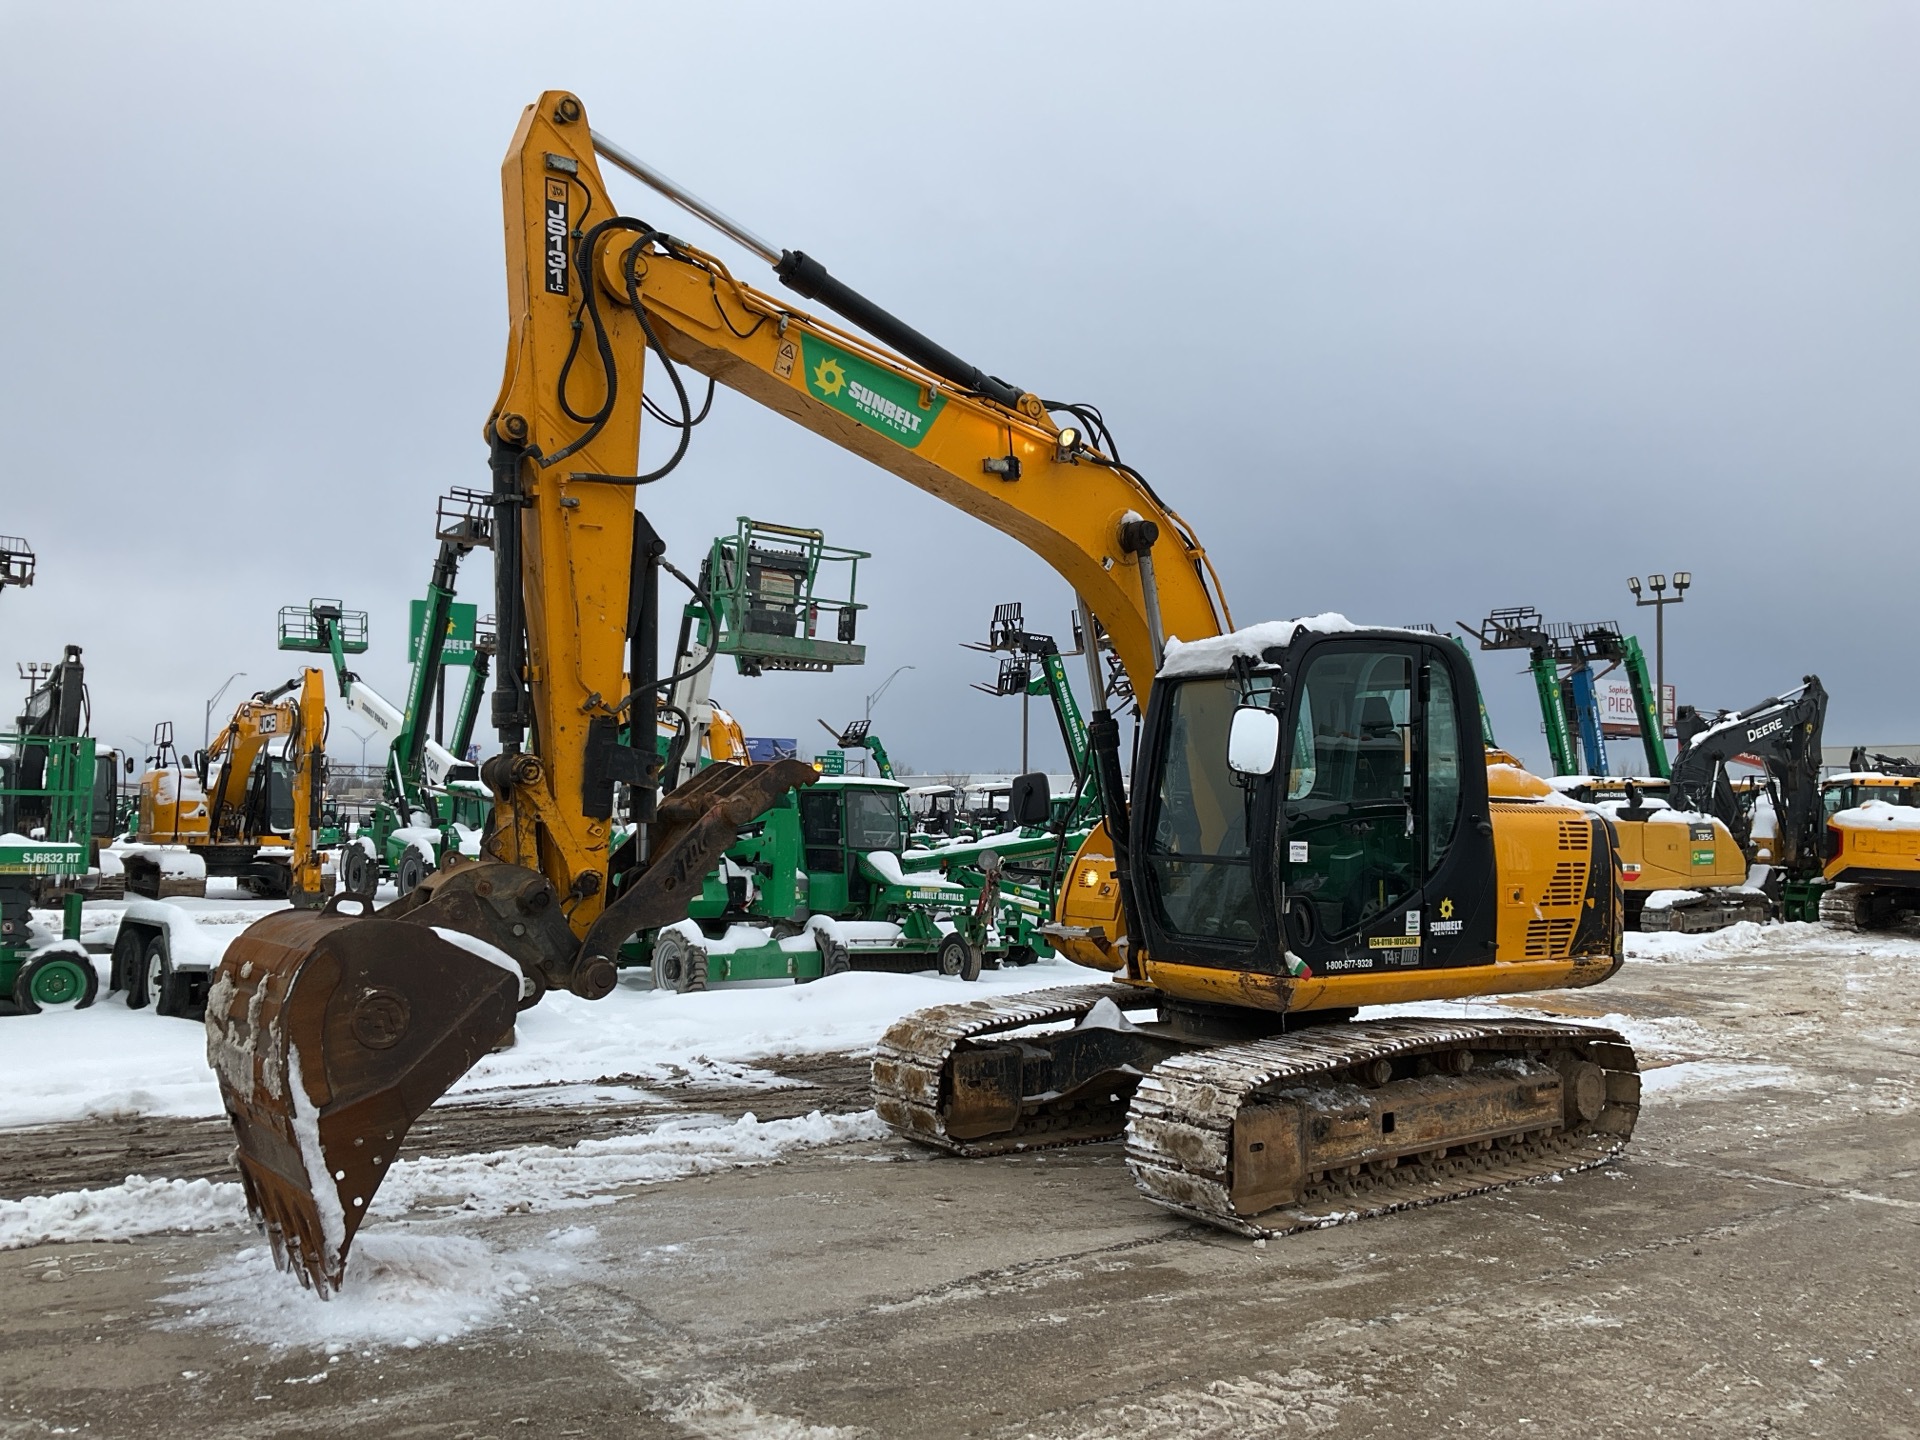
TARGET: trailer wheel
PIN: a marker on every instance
(128, 946)
(156, 974)
(957, 957)
(54, 982)
(129, 964)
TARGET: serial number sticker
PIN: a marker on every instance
(1297, 851)
(1394, 942)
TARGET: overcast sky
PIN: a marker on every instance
(1411, 310)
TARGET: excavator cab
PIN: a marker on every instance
(1359, 843)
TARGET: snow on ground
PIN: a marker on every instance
(404, 1287)
(109, 1060)
(525, 1179)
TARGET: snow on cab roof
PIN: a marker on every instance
(1215, 655)
(871, 782)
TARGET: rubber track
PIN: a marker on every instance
(911, 1057)
(1180, 1124)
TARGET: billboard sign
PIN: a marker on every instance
(1619, 720)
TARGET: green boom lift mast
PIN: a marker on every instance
(1034, 664)
(1552, 646)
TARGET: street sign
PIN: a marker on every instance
(832, 762)
(762, 748)
(460, 626)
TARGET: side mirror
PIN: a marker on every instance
(1029, 801)
(1253, 742)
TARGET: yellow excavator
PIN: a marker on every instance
(249, 806)
(1311, 826)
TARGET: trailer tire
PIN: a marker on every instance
(957, 957)
(155, 976)
(127, 946)
(129, 964)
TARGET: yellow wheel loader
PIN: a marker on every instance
(1311, 827)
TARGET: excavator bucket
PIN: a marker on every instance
(331, 1034)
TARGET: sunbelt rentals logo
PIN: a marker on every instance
(879, 399)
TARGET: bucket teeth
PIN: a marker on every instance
(330, 1035)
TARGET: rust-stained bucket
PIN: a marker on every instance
(331, 1034)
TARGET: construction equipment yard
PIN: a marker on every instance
(745, 874)
(1750, 1266)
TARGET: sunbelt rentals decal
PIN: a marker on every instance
(879, 399)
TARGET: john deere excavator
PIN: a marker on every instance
(1311, 826)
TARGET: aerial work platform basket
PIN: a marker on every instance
(782, 599)
(315, 626)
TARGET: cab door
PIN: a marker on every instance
(1385, 857)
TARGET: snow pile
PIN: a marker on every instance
(1745, 938)
(136, 1206)
(104, 1061)
(402, 1288)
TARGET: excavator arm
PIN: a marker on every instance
(1783, 733)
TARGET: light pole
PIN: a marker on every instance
(1658, 584)
(206, 728)
(883, 690)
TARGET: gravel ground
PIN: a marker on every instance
(1752, 1267)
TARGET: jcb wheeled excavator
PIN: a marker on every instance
(1311, 826)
